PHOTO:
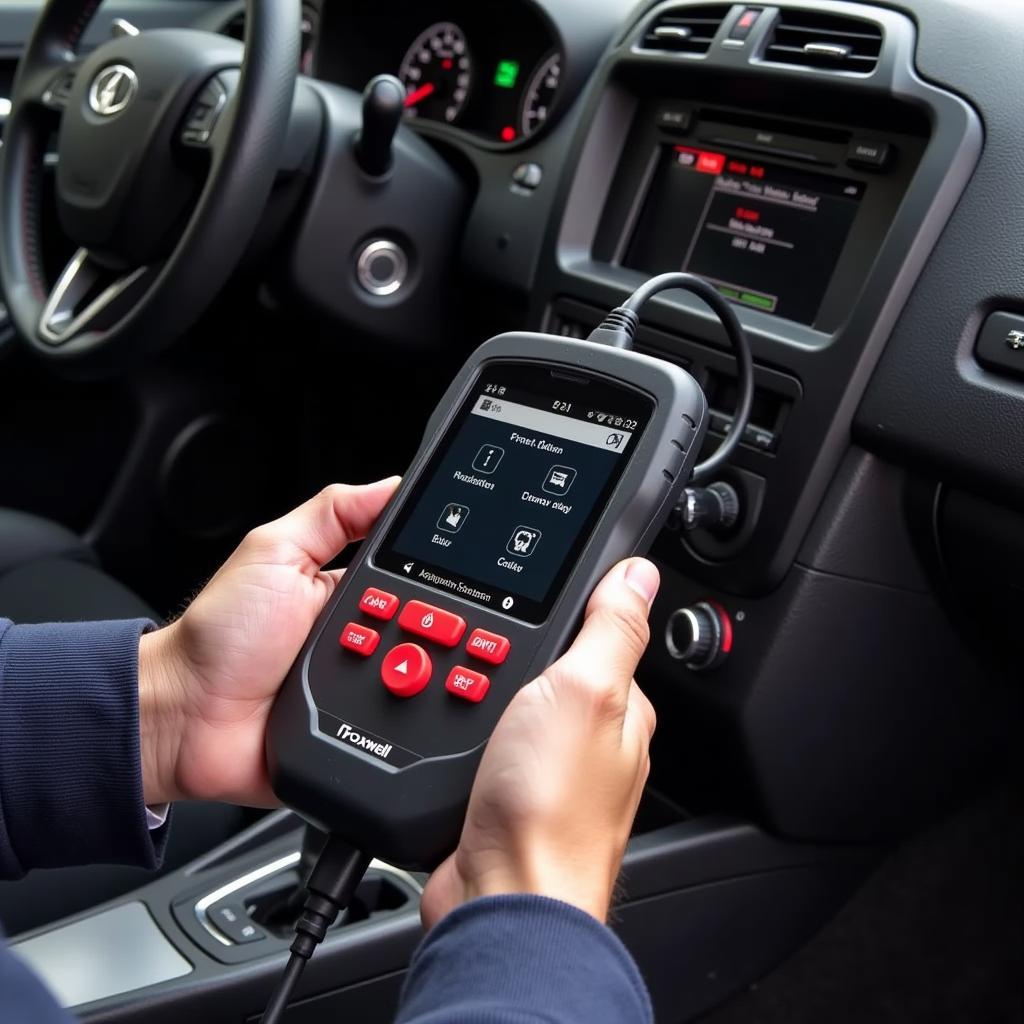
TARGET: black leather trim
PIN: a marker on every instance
(26, 538)
(64, 590)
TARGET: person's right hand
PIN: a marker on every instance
(561, 779)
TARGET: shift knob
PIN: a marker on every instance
(383, 103)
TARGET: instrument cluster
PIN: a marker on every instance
(493, 72)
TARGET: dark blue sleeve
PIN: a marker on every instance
(523, 959)
(70, 766)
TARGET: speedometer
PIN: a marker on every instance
(436, 73)
(540, 93)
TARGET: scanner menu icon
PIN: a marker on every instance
(523, 542)
(453, 517)
(559, 479)
(487, 459)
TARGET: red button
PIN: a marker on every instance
(487, 647)
(426, 621)
(406, 670)
(360, 639)
(710, 163)
(379, 604)
(467, 684)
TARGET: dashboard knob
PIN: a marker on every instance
(699, 636)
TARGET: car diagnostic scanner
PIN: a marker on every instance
(546, 461)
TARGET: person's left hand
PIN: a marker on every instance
(208, 680)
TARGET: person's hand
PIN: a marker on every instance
(561, 778)
(208, 680)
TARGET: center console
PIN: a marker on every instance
(207, 942)
(793, 156)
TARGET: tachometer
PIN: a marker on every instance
(436, 73)
(540, 93)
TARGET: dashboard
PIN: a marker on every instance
(845, 173)
(494, 74)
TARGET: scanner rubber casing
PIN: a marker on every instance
(412, 816)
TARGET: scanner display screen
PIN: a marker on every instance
(517, 485)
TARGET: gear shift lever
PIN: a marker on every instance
(383, 103)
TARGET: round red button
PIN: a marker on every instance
(406, 670)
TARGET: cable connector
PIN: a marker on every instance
(715, 508)
(338, 872)
(617, 329)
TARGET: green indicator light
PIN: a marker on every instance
(729, 293)
(506, 74)
(761, 301)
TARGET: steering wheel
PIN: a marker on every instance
(167, 148)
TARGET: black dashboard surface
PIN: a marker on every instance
(929, 401)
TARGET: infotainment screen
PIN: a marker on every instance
(767, 235)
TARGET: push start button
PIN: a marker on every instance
(381, 267)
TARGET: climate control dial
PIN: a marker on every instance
(700, 635)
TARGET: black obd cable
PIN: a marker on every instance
(715, 507)
(339, 870)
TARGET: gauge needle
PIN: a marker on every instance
(419, 94)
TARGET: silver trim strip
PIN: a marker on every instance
(58, 321)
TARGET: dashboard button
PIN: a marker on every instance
(528, 175)
(235, 923)
(360, 639)
(489, 647)
(1001, 343)
(379, 604)
(868, 153)
(432, 623)
(467, 684)
(406, 670)
(744, 23)
(674, 120)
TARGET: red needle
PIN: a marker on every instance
(419, 94)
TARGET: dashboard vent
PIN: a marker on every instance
(829, 41)
(685, 29)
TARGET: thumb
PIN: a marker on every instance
(320, 528)
(614, 636)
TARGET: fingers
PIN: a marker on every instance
(604, 657)
(321, 527)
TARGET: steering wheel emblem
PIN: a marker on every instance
(113, 89)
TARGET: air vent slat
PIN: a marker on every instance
(688, 30)
(826, 41)
(832, 33)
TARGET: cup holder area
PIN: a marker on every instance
(277, 903)
(253, 913)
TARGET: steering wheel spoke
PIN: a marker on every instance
(88, 297)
